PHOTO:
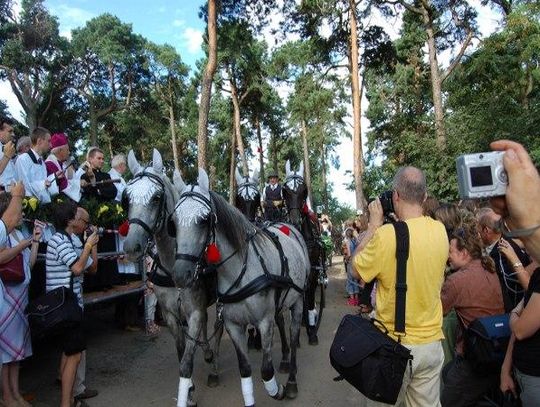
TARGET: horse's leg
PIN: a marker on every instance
(208, 353)
(291, 389)
(285, 350)
(311, 310)
(169, 302)
(213, 377)
(238, 337)
(273, 388)
(185, 385)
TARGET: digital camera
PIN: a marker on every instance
(99, 230)
(481, 175)
(386, 203)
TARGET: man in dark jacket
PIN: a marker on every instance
(97, 183)
(272, 199)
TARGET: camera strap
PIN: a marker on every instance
(402, 254)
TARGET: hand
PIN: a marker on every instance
(507, 383)
(508, 251)
(60, 174)
(47, 183)
(36, 234)
(376, 216)
(9, 150)
(523, 190)
(17, 189)
(93, 239)
(517, 310)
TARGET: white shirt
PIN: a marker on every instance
(33, 176)
(119, 186)
(8, 175)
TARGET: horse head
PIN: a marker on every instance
(248, 197)
(194, 221)
(294, 193)
(147, 199)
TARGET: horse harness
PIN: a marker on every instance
(262, 282)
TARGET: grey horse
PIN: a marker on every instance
(260, 274)
(150, 196)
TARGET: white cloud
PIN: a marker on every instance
(13, 104)
(179, 23)
(70, 18)
(194, 39)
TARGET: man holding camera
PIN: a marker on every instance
(428, 252)
(96, 183)
(7, 169)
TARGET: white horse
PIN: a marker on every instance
(150, 197)
(260, 274)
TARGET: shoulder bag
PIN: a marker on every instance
(368, 358)
(12, 271)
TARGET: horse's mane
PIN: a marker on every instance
(231, 221)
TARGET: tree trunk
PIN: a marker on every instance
(261, 155)
(307, 168)
(172, 125)
(237, 129)
(358, 159)
(232, 178)
(324, 182)
(93, 123)
(206, 87)
(435, 79)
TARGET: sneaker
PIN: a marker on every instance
(87, 394)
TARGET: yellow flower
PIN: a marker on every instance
(102, 209)
(33, 202)
(119, 209)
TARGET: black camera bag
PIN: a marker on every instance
(54, 311)
(368, 358)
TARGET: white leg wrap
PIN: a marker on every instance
(271, 386)
(247, 391)
(312, 317)
(183, 391)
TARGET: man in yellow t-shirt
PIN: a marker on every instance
(428, 253)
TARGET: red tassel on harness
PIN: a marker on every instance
(305, 209)
(213, 255)
(123, 229)
(285, 230)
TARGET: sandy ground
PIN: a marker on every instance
(131, 370)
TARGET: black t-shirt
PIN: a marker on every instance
(527, 352)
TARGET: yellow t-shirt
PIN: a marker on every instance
(428, 252)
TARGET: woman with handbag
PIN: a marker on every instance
(16, 261)
(67, 259)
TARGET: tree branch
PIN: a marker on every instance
(457, 60)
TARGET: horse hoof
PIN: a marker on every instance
(280, 394)
(291, 391)
(284, 367)
(208, 356)
(213, 380)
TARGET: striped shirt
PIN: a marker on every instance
(62, 252)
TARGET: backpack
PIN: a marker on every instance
(485, 342)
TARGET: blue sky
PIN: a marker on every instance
(161, 21)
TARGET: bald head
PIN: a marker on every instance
(488, 225)
(410, 184)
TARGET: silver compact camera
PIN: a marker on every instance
(481, 175)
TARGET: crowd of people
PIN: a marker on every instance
(466, 261)
(70, 249)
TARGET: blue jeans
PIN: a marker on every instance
(530, 389)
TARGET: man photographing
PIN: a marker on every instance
(428, 251)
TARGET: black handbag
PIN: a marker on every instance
(368, 358)
(54, 311)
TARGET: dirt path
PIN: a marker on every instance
(130, 370)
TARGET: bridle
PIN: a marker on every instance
(245, 187)
(162, 211)
(297, 181)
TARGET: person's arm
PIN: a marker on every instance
(520, 206)
(524, 322)
(79, 265)
(9, 253)
(36, 236)
(508, 251)
(376, 219)
(93, 267)
(12, 215)
(506, 381)
(9, 153)
(449, 295)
